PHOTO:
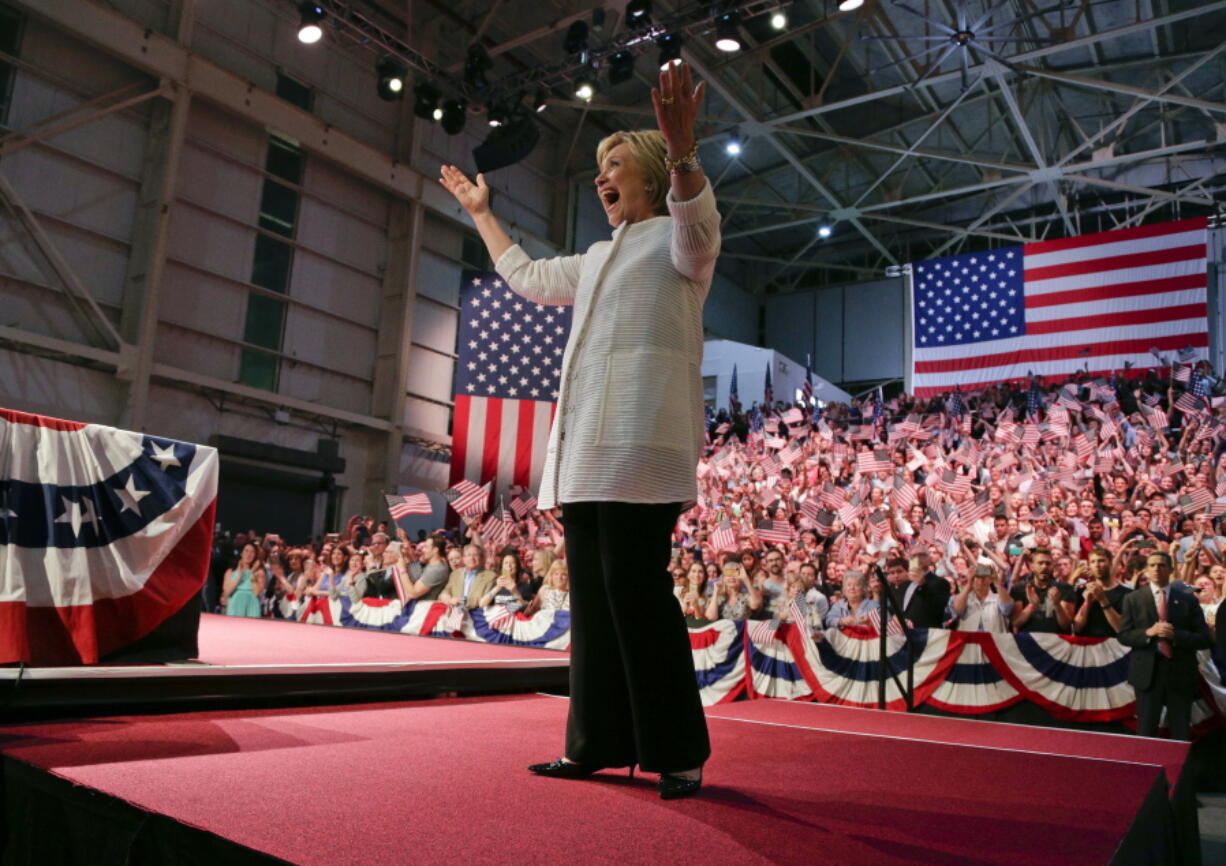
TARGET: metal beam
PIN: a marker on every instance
(81, 299)
(82, 113)
(150, 233)
(1023, 57)
(163, 57)
(1126, 89)
(784, 151)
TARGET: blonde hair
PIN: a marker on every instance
(648, 149)
(557, 567)
(548, 555)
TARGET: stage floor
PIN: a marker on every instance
(436, 781)
(267, 658)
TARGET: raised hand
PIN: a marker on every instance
(473, 197)
(676, 102)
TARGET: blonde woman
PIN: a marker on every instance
(625, 441)
(735, 596)
(555, 591)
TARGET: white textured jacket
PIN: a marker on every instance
(629, 423)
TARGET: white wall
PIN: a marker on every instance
(853, 332)
(787, 375)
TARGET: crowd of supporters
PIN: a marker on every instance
(1011, 508)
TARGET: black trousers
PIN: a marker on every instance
(633, 692)
(1160, 694)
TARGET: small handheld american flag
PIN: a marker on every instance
(400, 507)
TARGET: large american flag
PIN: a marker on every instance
(506, 383)
(1054, 307)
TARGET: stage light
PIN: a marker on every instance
(497, 115)
(540, 101)
(476, 62)
(825, 232)
(727, 32)
(638, 13)
(850, 5)
(733, 147)
(585, 84)
(621, 67)
(391, 79)
(437, 114)
(576, 38)
(309, 16)
(455, 112)
(507, 144)
(779, 20)
(425, 101)
(670, 49)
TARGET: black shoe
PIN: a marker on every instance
(560, 769)
(674, 787)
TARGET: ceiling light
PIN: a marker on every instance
(455, 112)
(425, 102)
(779, 20)
(621, 67)
(540, 101)
(733, 147)
(585, 84)
(497, 115)
(391, 79)
(850, 5)
(825, 232)
(638, 13)
(437, 114)
(727, 32)
(309, 16)
(670, 49)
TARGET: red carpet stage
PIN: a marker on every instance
(443, 781)
(245, 659)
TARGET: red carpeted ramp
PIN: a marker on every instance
(444, 782)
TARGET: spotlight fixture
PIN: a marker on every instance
(733, 147)
(309, 29)
(476, 63)
(638, 14)
(391, 79)
(850, 5)
(621, 67)
(779, 19)
(670, 49)
(727, 32)
(454, 113)
(824, 231)
(507, 144)
(576, 38)
(437, 114)
(585, 84)
(425, 101)
(497, 114)
(539, 102)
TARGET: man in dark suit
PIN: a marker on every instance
(1165, 627)
(920, 594)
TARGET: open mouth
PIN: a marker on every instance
(609, 198)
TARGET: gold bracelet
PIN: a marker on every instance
(684, 164)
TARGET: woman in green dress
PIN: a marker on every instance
(244, 584)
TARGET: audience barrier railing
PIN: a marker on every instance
(1075, 679)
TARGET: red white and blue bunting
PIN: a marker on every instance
(970, 673)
